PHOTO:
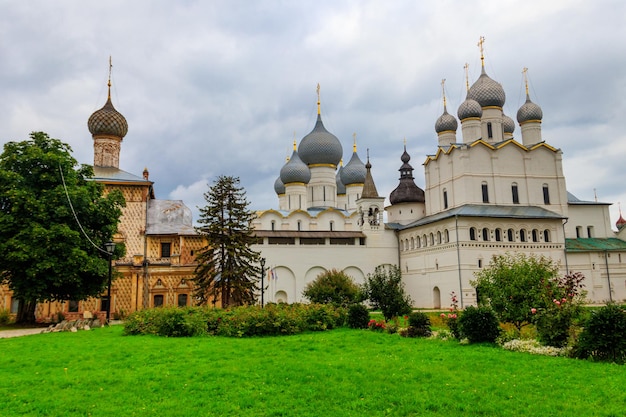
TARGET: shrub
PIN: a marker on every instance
(5, 317)
(479, 324)
(385, 291)
(169, 322)
(332, 287)
(604, 336)
(419, 325)
(377, 325)
(553, 326)
(358, 316)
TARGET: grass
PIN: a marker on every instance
(337, 373)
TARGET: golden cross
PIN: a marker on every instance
(525, 74)
(481, 42)
(443, 92)
(318, 99)
(110, 68)
(354, 144)
(466, 67)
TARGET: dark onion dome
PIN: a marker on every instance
(354, 171)
(320, 146)
(446, 122)
(620, 222)
(487, 92)
(295, 171)
(469, 108)
(508, 124)
(529, 111)
(108, 121)
(341, 188)
(406, 191)
(279, 187)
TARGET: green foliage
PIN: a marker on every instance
(5, 317)
(604, 335)
(358, 316)
(332, 287)
(228, 269)
(243, 321)
(385, 291)
(479, 324)
(512, 285)
(563, 305)
(419, 325)
(45, 256)
(167, 321)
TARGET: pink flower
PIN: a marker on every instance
(564, 300)
(443, 315)
(557, 302)
(533, 310)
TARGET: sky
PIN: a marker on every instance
(218, 87)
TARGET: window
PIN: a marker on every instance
(498, 235)
(515, 193)
(432, 239)
(104, 303)
(412, 243)
(472, 233)
(15, 305)
(439, 238)
(589, 231)
(182, 300)
(579, 232)
(446, 235)
(546, 235)
(72, 306)
(158, 300)
(535, 235)
(273, 225)
(445, 199)
(485, 191)
(166, 249)
(485, 234)
(419, 242)
(331, 225)
(489, 130)
(480, 263)
(522, 235)
(300, 225)
(424, 241)
(510, 235)
(546, 194)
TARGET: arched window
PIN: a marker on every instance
(546, 235)
(446, 235)
(445, 199)
(432, 239)
(439, 238)
(489, 130)
(522, 235)
(514, 193)
(273, 225)
(546, 194)
(332, 225)
(419, 242)
(485, 234)
(498, 235)
(535, 235)
(300, 225)
(424, 241)
(510, 235)
(472, 233)
(412, 243)
(485, 192)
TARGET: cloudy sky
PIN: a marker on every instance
(220, 87)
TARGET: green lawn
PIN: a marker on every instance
(337, 373)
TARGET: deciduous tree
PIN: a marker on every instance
(227, 268)
(332, 287)
(45, 254)
(385, 291)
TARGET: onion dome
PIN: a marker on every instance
(406, 191)
(295, 170)
(279, 187)
(469, 108)
(320, 146)
(620, 222)
(487, 92)
(446, 122)
(341, 188)
(529, 111)
(108, 121)
(354, 172)
(508, 124)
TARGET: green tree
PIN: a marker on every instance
(515, 286)
(45, 255)
(385, 291)
(227, 268)
(332, 287)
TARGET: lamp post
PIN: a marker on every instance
(110, 247)
(262, 276)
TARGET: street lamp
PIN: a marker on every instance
(110, 248)
(262, 276)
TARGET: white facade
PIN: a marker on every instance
(486, 193)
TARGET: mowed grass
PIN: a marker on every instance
(342, 372)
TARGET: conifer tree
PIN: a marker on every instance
(227, 268)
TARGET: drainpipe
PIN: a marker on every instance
(565, 247)
(608, 275)
(458, 257)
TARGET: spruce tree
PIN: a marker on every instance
(227, 268)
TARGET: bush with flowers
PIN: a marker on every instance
(377, 325)
(451, 319)
(563, 303)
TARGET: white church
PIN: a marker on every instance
(487, 192)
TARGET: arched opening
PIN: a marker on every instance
(436, 298)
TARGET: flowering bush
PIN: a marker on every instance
(451, 318)
(376, 325)
(533, 346)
